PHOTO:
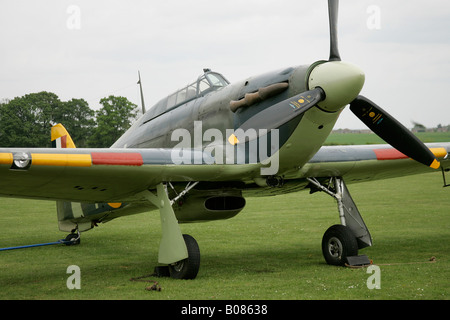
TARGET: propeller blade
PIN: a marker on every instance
(392, 131)
(275, 116)
(333, 6)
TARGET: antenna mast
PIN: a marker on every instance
(142, 95)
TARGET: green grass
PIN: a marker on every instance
(269, 251)
(371, 138)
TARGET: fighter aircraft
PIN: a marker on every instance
(199, 152)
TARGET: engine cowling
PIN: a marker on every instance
(209, 205)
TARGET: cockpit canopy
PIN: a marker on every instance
(207, 82)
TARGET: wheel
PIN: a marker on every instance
(338, 243)
(187, 268)
(72, 239)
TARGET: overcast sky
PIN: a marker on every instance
(91, 49)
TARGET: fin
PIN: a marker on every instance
(61, 138)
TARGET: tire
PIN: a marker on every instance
(338, 243)
(187, 268)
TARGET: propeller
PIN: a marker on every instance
(279, 114)
(374, 117)
(333, 85)
(333, 6)
(392, 131)
(284, 111)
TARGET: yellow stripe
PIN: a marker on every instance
(439, 152)
(6, 158)
(63, 160)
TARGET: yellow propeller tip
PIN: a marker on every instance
(435, 165)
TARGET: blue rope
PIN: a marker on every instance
(62, 241)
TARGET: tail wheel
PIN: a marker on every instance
(72, 239)
(187, 268)
(338, 243)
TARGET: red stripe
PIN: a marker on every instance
(119, 159)
(389, 154)
(63, 141)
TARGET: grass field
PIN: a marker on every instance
(269, 251)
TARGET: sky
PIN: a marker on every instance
(93, 49)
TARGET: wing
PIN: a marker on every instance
(369, 162)
(118, 175)
(102, 175)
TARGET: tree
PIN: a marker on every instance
(418, 127)
(78, 119)
(25, 121)
(113, 119)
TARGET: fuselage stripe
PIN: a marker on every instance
(6, 158)
(393, 154)
(389, 154)
(61, 160)
(120, 159)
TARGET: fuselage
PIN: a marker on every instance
(211, 103)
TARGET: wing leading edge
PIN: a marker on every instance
(102, 175)
(369, 162)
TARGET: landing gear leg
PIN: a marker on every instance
(180, 252)
(344, 240)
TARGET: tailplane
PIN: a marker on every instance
(77, 217)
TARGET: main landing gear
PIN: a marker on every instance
(181, 255)
(343, 240)
(179, 252)
(187, 268)
(338, 243)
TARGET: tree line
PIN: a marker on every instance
(26, 121)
